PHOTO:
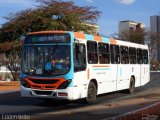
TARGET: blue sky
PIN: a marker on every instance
(113, 11)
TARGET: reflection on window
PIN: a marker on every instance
(79, 57)
(124, 55)
(92, 52)
(104, 56)
(139, 56)
(115, 54)
(132, 55)
(145, 56)
(46, 60)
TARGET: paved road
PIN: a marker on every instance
(107, 105)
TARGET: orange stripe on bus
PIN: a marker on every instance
(144, 70)
(88, 72)
(52, 86)
(97, 38)
(79, 35)
(112, 41)
(100, 66)
(46, 32)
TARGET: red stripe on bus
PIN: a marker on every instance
(79, 35)
(88, 72)
(45, 32)
(97, 38)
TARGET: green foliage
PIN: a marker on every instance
(49, 15)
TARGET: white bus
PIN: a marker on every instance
(72, 65)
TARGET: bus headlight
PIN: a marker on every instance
(64, 85)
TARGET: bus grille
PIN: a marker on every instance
(44, 83)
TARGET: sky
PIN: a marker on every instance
(113, 11)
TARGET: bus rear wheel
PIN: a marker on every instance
(131, 85)
(92, 93)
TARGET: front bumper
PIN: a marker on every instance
(57, 94)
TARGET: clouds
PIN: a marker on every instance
(127, 2)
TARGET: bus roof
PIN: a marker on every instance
(82, 36)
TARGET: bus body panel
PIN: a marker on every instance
(109, 77)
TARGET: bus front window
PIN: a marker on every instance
(46, 60)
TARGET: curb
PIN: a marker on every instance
(132, 113)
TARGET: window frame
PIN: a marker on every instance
(92, 52)
(78, 69)
(104, 52)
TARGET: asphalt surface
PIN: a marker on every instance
(106, 106)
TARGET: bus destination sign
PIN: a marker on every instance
(49, 38)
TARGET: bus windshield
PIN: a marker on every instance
(46, 60)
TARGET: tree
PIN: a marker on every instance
(49, 15)
(135, 36)
(10, 57)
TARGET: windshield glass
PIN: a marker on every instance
(46, 60)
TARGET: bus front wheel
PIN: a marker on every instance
(131, 85)
(92, 93)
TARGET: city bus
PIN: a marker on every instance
(73, 65)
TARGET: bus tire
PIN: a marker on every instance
(131, 85)
(92, 93)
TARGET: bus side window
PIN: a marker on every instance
(132, 55)
(139, 56)
(115, 56)
(92, 52)
(104, 56)
(124, 55)
(145, 56)
(79, 57)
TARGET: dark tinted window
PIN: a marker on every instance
(139, 56)
(132, 55)
(115, 54)
(79, 57)
(145, 56)
(104, 56)
(92, 52)
(124, 55)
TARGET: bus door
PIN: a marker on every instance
(115, 60)
(145, 67)
(140, 63)
(80, 74)
(123, 69)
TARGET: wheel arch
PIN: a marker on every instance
(133, 78)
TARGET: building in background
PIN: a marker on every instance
(128, 26)
(155, 43)
(95, 31)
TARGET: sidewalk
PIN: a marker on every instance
(13, 85)
(151, 112)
